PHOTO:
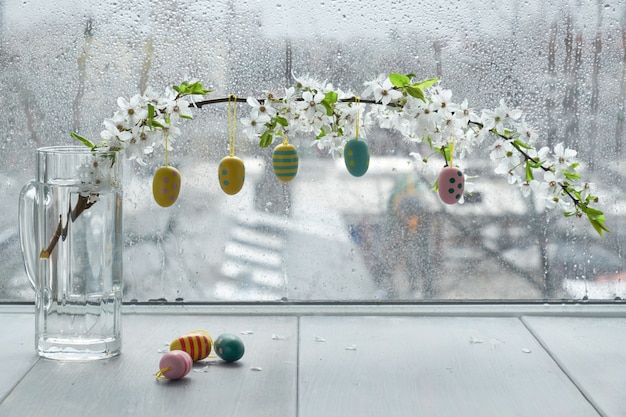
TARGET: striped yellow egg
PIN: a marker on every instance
(197, 344)
(285, 162)
(166, 186)
(356, 155)
(231, 174)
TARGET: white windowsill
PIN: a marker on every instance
(339, 360)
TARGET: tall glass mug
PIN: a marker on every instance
(70, 221)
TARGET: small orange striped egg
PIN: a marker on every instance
(285, 162)
(231, 174)
(197, 344)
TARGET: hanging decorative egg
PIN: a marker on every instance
(166, 186)
(356, 155)
(231, 174)
(285, 162)
(229, 347)
(197, 344)
(451, 184)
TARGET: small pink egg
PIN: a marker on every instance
(175, 364)
(451, 184)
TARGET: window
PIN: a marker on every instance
(327, 235)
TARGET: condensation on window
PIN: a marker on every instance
(327, 236)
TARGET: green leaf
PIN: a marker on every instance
(529, 172)
(150, 113)
(330, 97)
(154, 123)
(521, 144)
(328, 107)
(572, 176)
(266, 139)
(423, 85)
(185, 88)
(399, 80)
(196, 88)
(598, 224)
(282, 121)
(590, 211)
(84, 140)
(415, 92)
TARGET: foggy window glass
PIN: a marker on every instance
(326, 235)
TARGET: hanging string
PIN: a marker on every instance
(285, 139)
(451, 150)
(232, 122)
(357, 100)
(167, 146)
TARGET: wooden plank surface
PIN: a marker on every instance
(429, 366)
(17, 349)
(593, 352)
(262, 383)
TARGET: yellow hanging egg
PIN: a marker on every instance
(231, 174)
(197, 344)
(285, 162)
(166, 186)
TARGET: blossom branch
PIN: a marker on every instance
(422, 111)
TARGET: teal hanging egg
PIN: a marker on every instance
(356, 155)
(285, 162)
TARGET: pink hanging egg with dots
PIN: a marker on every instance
(174, 364)
(451, 184)
(166, 186)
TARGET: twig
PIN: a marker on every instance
(200, 104)
(61, 231)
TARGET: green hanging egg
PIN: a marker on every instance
(285, 162)
(231, 174)
(356, 155)
(166, 186)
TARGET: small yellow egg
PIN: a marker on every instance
(231, 174)
(166, 186)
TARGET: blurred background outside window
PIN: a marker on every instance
(327, 236)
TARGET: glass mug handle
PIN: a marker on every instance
(27, 216)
